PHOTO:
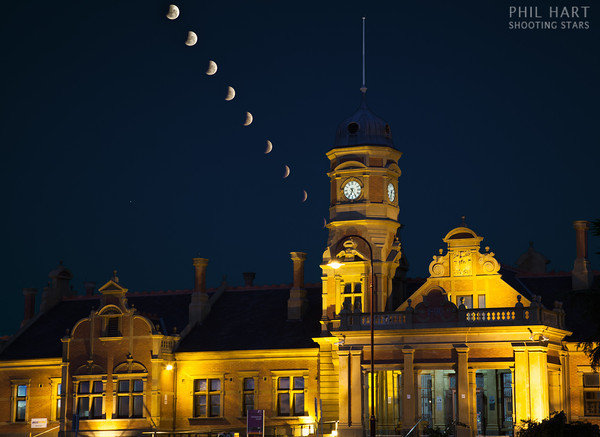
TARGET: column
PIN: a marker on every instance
(538, 379)
(521, 384)
(356, 404)
(409, 398)
(462, 390)
(344, 396)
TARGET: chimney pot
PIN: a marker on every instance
(582, 275)
(249, 278)
(297, 303)
(200, 275)
(89, 288)
(29, 294)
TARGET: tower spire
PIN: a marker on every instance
(363, 89)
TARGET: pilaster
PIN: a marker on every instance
(463, 390)
(409, 399)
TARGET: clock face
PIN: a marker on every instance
(391, 192)
(352, 190)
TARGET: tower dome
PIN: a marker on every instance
(363, 128)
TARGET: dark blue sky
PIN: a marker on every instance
(118, 152)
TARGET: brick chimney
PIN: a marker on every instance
(582, 275)
(199, 306)
(58, 287)
(89, 288)
(29, 294)
(297, 303)
(249, 278)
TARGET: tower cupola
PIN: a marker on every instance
(363, 128)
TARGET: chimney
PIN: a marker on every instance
(199, 306)
(57, 288)
(89, 288)
(29, 294)
(582, 275)
(297, 303)
(249, 278)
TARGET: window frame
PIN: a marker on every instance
(90, 395)
(56, 400)
(15, 399)
(354, 281)
(594, 389)
(247, 392)
(291, 391)
(207, 393)
(130, 394)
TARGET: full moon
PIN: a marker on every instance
(192, 39)
(173, 12)
(269, 147)
(249, 119)
(230, 93)
(287, 172)
(212, 68)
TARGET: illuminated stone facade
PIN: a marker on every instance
(477, 345)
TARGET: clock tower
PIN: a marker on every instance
(363, 215)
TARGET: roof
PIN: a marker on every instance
(241, 318)
(363, 128)
(253, 320)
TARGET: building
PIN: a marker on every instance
(476, 345)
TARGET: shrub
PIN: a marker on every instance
(557, 426)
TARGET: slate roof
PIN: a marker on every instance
(245, 318)
(255, 319)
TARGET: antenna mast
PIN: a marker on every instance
(363, 89)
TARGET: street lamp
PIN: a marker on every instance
(335, 264)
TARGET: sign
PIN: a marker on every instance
(438, 403)
(255, 422)
(39, 423)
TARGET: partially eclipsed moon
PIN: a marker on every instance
(212, 68)
(173, 12)
(304, 195)
(230, 93)
(287, 172)
(269, 147)
(249, 119)
(192, 39)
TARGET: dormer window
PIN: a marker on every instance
(111, 322)
(112, 327)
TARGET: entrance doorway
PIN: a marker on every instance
(494, 398)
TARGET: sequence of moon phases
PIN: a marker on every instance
(304, 195)
(249, 119)
(192, 39)
(212, 68)
(286, 172)
(230, 93)
(173, 12)
(269, 147)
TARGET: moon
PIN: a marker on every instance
(269, 147)
(287, 172)
(173, 12)
(324, 222)
(230, 93)
(212, 68)
(304, 195)
(192, 39)
(249, 119)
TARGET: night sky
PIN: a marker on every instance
(118, 152)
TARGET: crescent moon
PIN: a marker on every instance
(287, 172)
(173, 12)
(304, 195)
(269, 147)
(324, 222)
(192, 39)
(212, 68)
(249, 119)
(230, 93)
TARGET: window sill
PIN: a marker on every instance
(110, 338)
(289, 417)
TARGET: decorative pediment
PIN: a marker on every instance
(90, 368)
(130, 366)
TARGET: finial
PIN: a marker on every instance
(464, 223)
(115, 278)
(363, 88)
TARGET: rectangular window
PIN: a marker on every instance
(426, 398)
(248, 395)
(290, 396)
(21, 403)
(591, 394)
(89, 399)
(130, 398)
(207, 397)
(352, 296)
(468, 301)
(58, 400)
(481, 301)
